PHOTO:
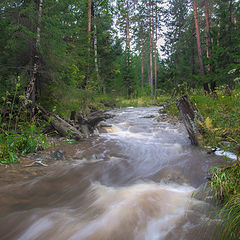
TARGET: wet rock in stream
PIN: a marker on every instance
(58, 155)
(149, 116)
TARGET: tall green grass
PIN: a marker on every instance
(225, 185)
(230, 215)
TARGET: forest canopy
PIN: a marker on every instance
(126, 47)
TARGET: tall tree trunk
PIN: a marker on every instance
(155, 70)
(127, 37)
(155, 53)
(89, 38)
(230, 9)
(208, 38)
(200, 54)
(35, 61)
(95, 47)
(193, 52)
(219, 31)
(142, 68)
(230, 28)
(149, 77)
(207, 21)
(127, 52)
(150, 47)
(150, 60)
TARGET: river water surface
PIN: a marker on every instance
(134, 181)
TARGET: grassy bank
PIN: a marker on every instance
(222, 119)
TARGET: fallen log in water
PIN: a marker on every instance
(79, 126)
(61, 126)
(88, 123)
(192, 118)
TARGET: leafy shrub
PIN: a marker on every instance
(19, 131)
(14, 144)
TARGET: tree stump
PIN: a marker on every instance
(191, 117)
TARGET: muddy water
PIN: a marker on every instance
(134, 181)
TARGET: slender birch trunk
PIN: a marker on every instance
(89, 38)
(142, 68)
(155, 68)
(95, 47)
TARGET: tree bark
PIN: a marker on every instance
(150, 48)
(191, 118)
(128, 51)
(155, 70)
(193, 53)
(95, 47)
(150, 60)
(89, 24)
(208, 38)
(142, 68)
(155, 55)
(89, 41)
(200, 54)
(219, 31)
(207, 21)
(35, 61)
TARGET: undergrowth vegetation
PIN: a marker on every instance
(68, 99)
(20, 129)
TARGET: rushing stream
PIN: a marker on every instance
(134, 181)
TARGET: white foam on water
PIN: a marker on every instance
(81, 161)
(229, 155)
(141, 211)
(37, 229)
(113, 129)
